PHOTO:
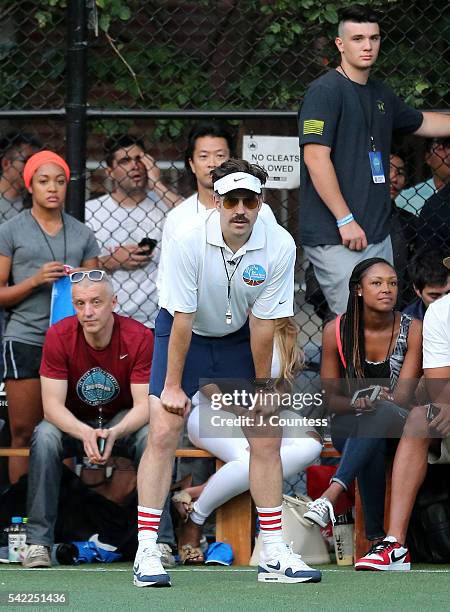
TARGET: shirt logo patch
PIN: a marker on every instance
(97, 387)
(254, 275)
(380, 106)
(313, 126)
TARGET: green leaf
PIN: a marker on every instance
(42, 17)
(275, 28)
(331, 15)
(314, 14)
(104, 22)
(125, 13)
(421, 86)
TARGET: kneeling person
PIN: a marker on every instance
(95, 364)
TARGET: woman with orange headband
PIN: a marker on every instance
(34, 247)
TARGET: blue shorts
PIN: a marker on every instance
(211, 358)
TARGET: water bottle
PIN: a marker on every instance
(17, 537)
(343, 539)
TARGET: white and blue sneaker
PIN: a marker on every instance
(286, 566)
(148, 570)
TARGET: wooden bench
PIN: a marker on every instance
(234, 520)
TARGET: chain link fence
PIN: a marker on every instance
(154, 68)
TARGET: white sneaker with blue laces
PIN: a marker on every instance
(286, 566)
(147, 569)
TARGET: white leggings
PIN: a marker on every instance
(233, 478)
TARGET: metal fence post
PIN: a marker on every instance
(76, 79)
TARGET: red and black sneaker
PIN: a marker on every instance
(387, 555)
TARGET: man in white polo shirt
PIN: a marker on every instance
(209, 145)
(227, 265)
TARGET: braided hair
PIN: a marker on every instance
(352, 324)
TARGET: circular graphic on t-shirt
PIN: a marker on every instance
(254, 275)
(97, 387)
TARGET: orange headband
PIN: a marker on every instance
(39, 159)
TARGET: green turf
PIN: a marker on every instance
(102, 588)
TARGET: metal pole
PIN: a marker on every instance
(76, 78)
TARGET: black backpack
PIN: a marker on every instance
(429, 528)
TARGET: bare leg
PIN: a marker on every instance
(333, 492)
(266, 474)
(25, 412)
(190, 533)
(196, 491)
(410, 468)
(155, 469)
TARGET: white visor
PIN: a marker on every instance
(237, 180)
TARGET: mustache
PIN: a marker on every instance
(239, 219)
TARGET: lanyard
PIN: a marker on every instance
(48, 242)
(367, 120)
(228, 314)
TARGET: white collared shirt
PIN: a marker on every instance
(183, 215)
(436, 334)
(195, 279)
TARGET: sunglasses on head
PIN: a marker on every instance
(92, 275)
(250, 202)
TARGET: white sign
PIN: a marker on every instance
(278, 155)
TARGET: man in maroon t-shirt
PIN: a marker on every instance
(94, 373)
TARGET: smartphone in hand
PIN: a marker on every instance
(147, 245)
(432, 412)
(101, 442)
(370, 393)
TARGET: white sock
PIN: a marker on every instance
(148, 524)
(270, 529)
(196, 516)
(390, 538)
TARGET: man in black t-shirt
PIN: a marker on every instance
(346, 124)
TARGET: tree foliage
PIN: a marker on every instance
(245, 54)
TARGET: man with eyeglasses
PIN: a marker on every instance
(128, 224)
(15, 149)
(94, 376)
(229, 277)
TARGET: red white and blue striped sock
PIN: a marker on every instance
(148, 523)
(270, 528)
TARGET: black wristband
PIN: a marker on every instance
(264, 383)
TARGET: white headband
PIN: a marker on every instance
(237, 180)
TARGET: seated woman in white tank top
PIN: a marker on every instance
(299, 448)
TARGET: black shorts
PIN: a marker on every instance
(21, 360)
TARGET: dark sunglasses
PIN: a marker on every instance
(92, 275)
(250, 202)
